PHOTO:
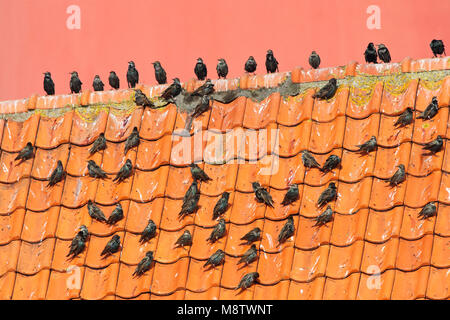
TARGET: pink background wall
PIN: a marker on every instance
(35, 37)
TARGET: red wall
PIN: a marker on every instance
(35, 38)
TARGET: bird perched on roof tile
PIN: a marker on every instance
(172, 91)
(95, 212)
(160, 73)
(435, 145)
(205, 89)
(49, 85)
(192, 191)
(184, 240)
(291, 195)
(200, 69)
(314, 60)
(329, 194)
(132, 75)
(124, 172)
(221, 205)
(383, 53)
(248, 280)
(287, 231)
(218, 231)
(262, 195)
(271, 62)
(97, 84)
(26, 153)
(324, 217)
(190, 200)
(99, 144)
(368, 146)
(371, 53)
(144, 265)
(250, 65)
(111, 247)
(199, 109)
(398, 177)
(141, 99)
(132, 140)
(114, 80)
(308, 160)
(252, 236)
(57, 175)
(437, 46)
(249, 256)
(222, 69)
(216, 259)
(116, 215)
(149, 231)
(95, 171)
(78, 243)
(327, 91)
(198, 174)
(332, 162)
(75, 83)
(430, 111)
(428, 211)
(405, 118)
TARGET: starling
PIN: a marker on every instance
(329, 194)
(430, 111)
(287, 231)
(371, 54)
(291, 196)
(141, 99)
(262, 195)
(144, 265)
(271, 62)
(198, 174)
(114, 81)
(252, 236)
(184, 240)
(324, 217)
(189, 206)
(57, 175)
(368, 146)
(435, 145)
(124, 172)
(132, 140)
(428, 211)
(112, 246)
(218, 231)
(116, 215)
(221, 205)
(437, 46)
(398, 177)
(247, 280)
(132, 75)
(200, 69)
(314, 60)
(308, 160)
(98, 83)
(160, 73)
(99, 144)
(327, 91)
(250, 65)
(95, 212)
(405, 118)
(75, 83)
(49, 85)
(149, 232)
(205, 89)
(192, 191)
(249, 256)
(95, 171)
(79, 242)
(383, 53)
(222, 69)
(26, 153)
(216, 259)
(172, 91)
(331, 163)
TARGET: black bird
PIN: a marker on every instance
(250, 65)
(132, 75)
(95, 171)
(184, 240)
(112, 246)
(262, 195)
(78, 242)
(428, 211)
(327, 91)
(248, 280)
(287, 231)
(200, 69)
(113, 79)
(160, 73)
(198, 174)
(329, 194)
(222, 69)
(216, 259)
(141, 99)
(218, 231)
(324, 217)
(57, 175)
(97, 84)
(371, 54)
(249, 256)
(172, 91)
(271, 62)
(124, 172)
(95, 212)
(205, 89)
(189, 205)
(221, 205)
(252, 236)
(314, 60)
(75, 83)
(435, 145)
(26, 153)
(116, 215)
(132, 140)
(437, 46)
(430, 111)
(331, 163)
(383, 53)
(291, 196)
(49, 85)
(199, 109)
(368, 146)
(99, 144)
(398, 177)
(192, 191)
(405, 118)
(308, 160)
(149, 232)
(144, 265)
